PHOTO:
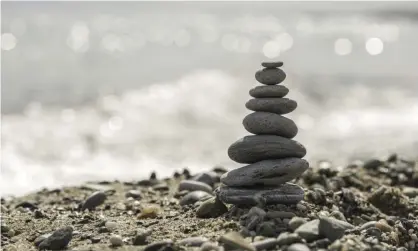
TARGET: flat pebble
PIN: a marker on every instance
(266, 244)
(269, 91)
(286, 238)
(116, 240)
(270, 76)
(192, 185)
(211, 208)
(205, 178)
(196, 241)
(58, 240)
(296, 222)
(111, 225)
(141, 237)
(285, 194)
(94, 200)
(274, 105)
(159, 245)
(266, 172)
(272, 64)
(298, 247)
(270, 123)
(332, 228)
(160, 187)
(251, 149)
(194, 197)
(235, 241)
(210, 246)
(309, 231)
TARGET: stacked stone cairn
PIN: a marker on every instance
(274, 158)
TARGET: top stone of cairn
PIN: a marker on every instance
(272, 64)
(271, 74)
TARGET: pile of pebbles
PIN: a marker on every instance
(274, 158)
(344, 209)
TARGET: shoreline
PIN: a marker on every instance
(361, 206)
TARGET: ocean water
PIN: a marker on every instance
(98, 91)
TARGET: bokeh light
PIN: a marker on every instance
(271, 49)
(343, 46)
(8, 41)
(78, 39)
(285, 40)
(374, 46)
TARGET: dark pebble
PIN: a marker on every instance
(272, 64)
(270, 76)
(27, 204)
(269, 91)
(252, 149)
(205, 178)
(94, 200)
(211, 208)
(332, 228)
(373, 164)
(134, 194)
(192, 185)
(270, 123)
(58, 240)
(274, 105)
(165, 245)
(194, 197)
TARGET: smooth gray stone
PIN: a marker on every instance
(211, 208)
(286, 238)
(269, 91)
(270, 76)
(94, 200)
(332, 228)
(284, 194)
(235, 241)
(266, 172)
(251, 149)
(270, 123)
(194, 197)
(298, 247)
(272, 64)
(267, 244)
(274, 105)
(196, 241)
(309, 231)
(193, 185)
(58, 240)
(205, 178)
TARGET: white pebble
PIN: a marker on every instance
(110, 225)
(116, 240)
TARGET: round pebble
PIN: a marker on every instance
(94, 200)
(211, 208)
(192, 185)
(266, 172)
(274, 105)
(269, 91)
(284, 194)
(298, 247)
(272, 64)
(270, 76)
(251, 149)
(270, 123)
(58, 240)
(194, 197)
(116, 240)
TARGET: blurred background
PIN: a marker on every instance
(111, 90)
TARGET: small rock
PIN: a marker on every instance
(280, 214)
(338, 215)
(194, 197)
(211, 208)
(266, 172)
(269, 91)
(368, 225)
(284, 194)
(116, 240)
(27, 204)
(267, 229)
(274, 105)
(40, 239)
(287, 238)
(270, 76)
(296, 222)
(210, 246)
(236, 241)
(373, 164)
(192, 241)
(411, 192)
(161, 187)
(141, 237)
(255, 148)
(94, 200)
(192, 185)
(95, 239)
(309, 231)
(160, 246)
(205, 178)
(382, 225)
(111, 226)
(267, 244)
(58, 240)
(332, 228)
(134, 194)
(270, 124)
(150, 211)
(272, 64)
(298, 247)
